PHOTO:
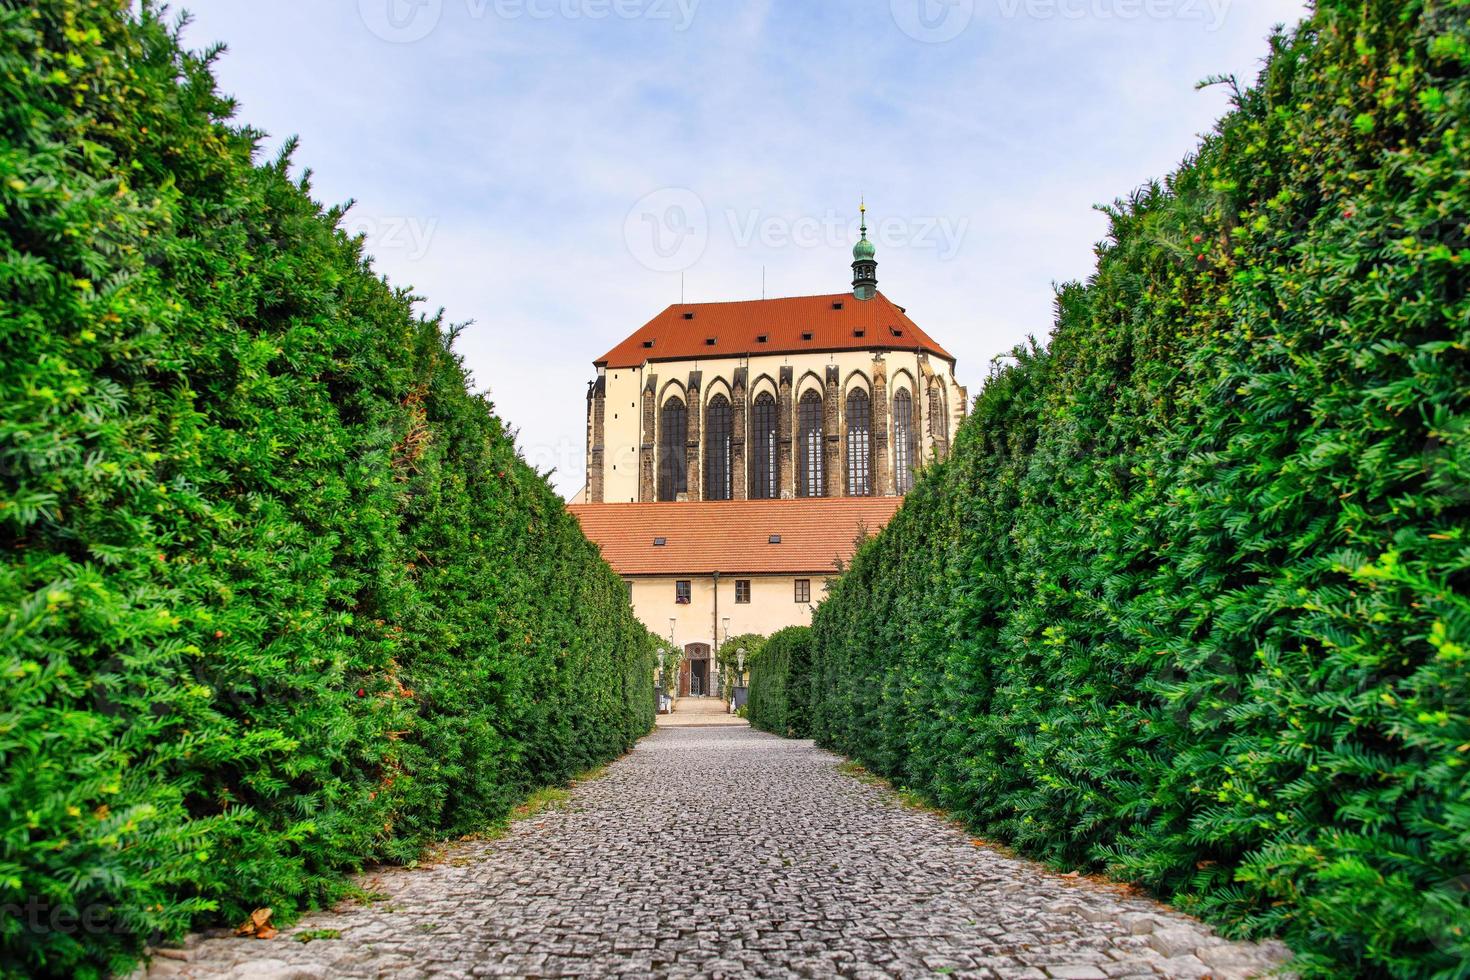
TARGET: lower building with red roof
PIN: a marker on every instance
(699, 572)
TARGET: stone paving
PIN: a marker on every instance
(726, 852)
(699, 711)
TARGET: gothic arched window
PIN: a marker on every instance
(859, 444)
(809, 476)
(673, 432)
(905, 440)
(717, 449)
(763, 485)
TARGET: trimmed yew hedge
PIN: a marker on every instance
(277, 595)
(1190, 601)
(780, 683)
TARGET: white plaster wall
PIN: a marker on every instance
(772, 605)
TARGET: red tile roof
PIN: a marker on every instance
(732, 536)
(684, 331)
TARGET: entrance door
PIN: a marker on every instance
(697, 669)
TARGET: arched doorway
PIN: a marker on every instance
(694, 672)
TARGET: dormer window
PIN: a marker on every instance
(895, 331)
(806, 335)
(857, 332)
(689, 314)
(837, 304)
(647, 344)
(709, 341)
(761, 338)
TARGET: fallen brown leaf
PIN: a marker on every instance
(259, 921)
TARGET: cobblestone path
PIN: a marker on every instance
(727, 852)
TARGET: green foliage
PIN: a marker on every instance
(667, 658)
(278, 597)
(728, 659)
(1190, 600)
(780, 683)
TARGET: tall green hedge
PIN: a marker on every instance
(277, 595)
(780, 683)
(730, 660)
(1190, 601)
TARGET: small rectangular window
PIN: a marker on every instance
(858, 332)
(803, 590)
(742, 590)
(681, 592)
(647, 343)
(806, 335)
(760, 338)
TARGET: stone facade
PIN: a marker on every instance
(785, 471)
(693, 458)
(623, 443)
(646, 446)
(596, 427)
(882, 460)
(738, 482)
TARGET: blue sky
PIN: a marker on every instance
(552, 169)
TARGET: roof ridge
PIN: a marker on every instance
(768, 299)
(717, 329)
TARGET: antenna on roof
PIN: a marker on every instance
(681, 287)
(763, 282)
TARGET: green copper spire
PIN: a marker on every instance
(864, 266)
(864, 248)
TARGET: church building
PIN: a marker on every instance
(736, 451)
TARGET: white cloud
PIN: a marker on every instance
(517, 146)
